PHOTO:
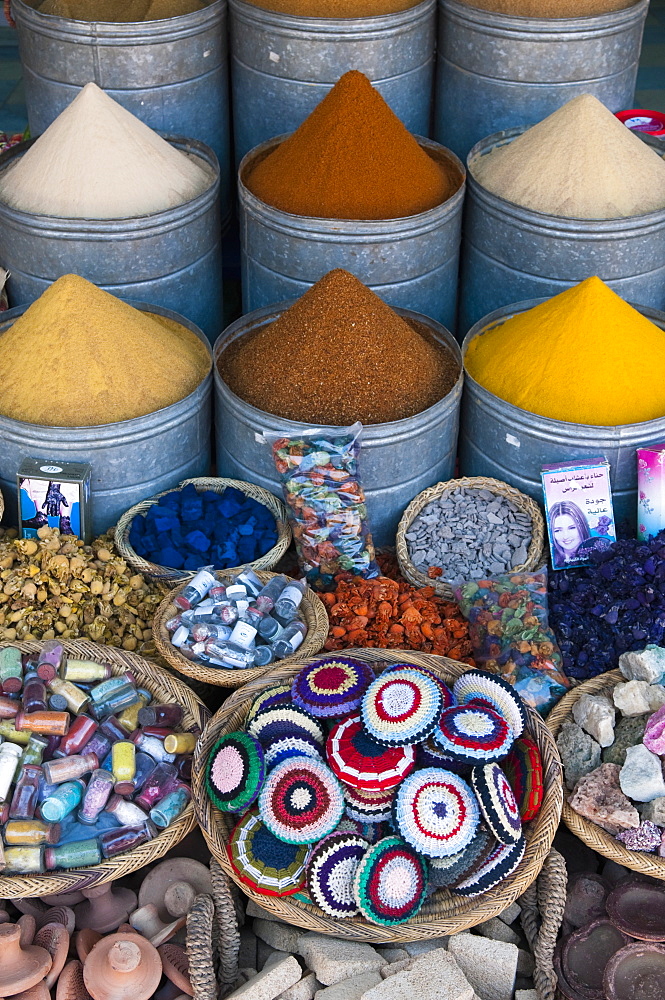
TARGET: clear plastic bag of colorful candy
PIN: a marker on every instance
(510, 633)
(324, 495)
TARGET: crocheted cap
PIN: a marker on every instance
(524, 769)
(332, 687)
(500, 864)
(495, 691)
(456, 867)
(263, 862)
(361, 762)
(285, 720)
(282, 747)
(276, 694)
(371, 832)
(401, 708)
(331, 871)
(301, 800)
(498, 804)
(446, 693)
(436, 812)
(430, 754)
(235, 771)
(367, 806)
(473, 733)
(391, 882)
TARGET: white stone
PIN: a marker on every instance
(646, 665)
(350, 989)
(655, 696)
(277, 935)
(641, 777)
(631, 698)
(254, 910)
(263, 953)
(511, 913)
(269, 983)
(395, 967)
(276, 956)
(247, 953)
(433, 976)
(526, 995)
(333, 960)
(393, 954)
(498, 931)
(595, 714)
(490, 966)
(306, 989)
(415, 948)
(525, 963)
(654, 811)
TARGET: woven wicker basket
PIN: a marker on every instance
(166, 689)
(592, 835)
(312, 611)
(443, 913)
(155, 572)
(535, 554)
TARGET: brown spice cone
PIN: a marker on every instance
(176, 967)
(70, 983)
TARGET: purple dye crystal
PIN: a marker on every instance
(645, 837)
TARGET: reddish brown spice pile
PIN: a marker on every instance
(385, 614)
(338, 355)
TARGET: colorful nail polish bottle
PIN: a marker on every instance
(85, 671)
(23, 860)
(11, 670)
(34, 694)
(180, 743)
(126, 813)
(162, 781)
(152, 746)
(50, 659)
(123, 765)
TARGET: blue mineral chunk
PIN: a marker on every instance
(165, 520)
(245, 529)
(169, 500)
(168, 557)
(198, 541)
(209, 496)
(231, 502)
(192, 562)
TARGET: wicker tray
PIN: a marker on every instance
(166, 689)
(156, 572)
(312, 611)
(443, 913)
(592, 835)
(535, 553)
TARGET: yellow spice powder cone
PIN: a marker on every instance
(584, 356)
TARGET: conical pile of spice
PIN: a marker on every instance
(584, 356)
(335, 8)
(119, 10)
(551, 8)
(338, 355)
(579, 162)
(352, 159)
(97, 161)
(78, 357)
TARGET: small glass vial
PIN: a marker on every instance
(57, 703)
(263, 655)
(196, 590)
(235, 657)
(202, 632)
(48, 723)
(174, 623)
(127, 813)
(123, 766)
(100, 692)
(11, 670)
(250, 581)
(62, 801)
(34, 751)
(30, 833)
(161, 732)
(34, 694)
(145, 765)
(217, 592)
(26, 793)
(49, 662)
(246, 628)
(9, 756)
(77, 700)
(180, 743)
(111, 727)
(184, 766)
(153, 746)
(85, 671)
(95, 796)
(99, 745)
(11, 734)
(129, 717)
(76, 854)
(270, 629)
(169, 716)
(290, 639)
(68, 768)
(118, 700)
(124, 838)
(228, 614)
(23, 860)
(8, 707)
(162, 781)
(82, 730)
(268, 595)
(170, 807)
(289, 601)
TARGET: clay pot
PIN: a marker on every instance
(30, 905)
(64, 899)
(585, 899)
(20, 968)
(179, 899)
(586, 953)
(85, 941)
(28, 926)
(146, 921)
(636, 972)
(122, 967)
(637, 908)
(58, 915)
(164, 875)
(176, 967)
(105, 908)
(55, 938)
(70, 984)
(38, 992)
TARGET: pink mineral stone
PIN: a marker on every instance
(647, 837)
(654, 734)
(598, 797)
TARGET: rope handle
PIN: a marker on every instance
(542, 914)
(7, 6)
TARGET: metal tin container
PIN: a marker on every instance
(172, 74)
(511, 253)
(171, 258)
(410, 262)
(130, 459)
(495, 71)
(282, 66)
(505, 442)
(397, 461)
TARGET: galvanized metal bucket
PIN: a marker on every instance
(410, 262)
(510, 253)
(172, 258)
(282, 66)
(495, 71)
(172, 74)
(505, 442)
(130, 459)
(397, 461)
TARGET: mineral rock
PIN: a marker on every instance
(579, 752)
(631, 698)
(654, 734)
(490, 966)
(598, 797)
(628, 733)
(656, 697)
(647, 837)
(333, 960)
(641, 777)
(647, 665)
(654, 810)
(595, 714)
(350, 989)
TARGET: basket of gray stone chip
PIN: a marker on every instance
(467, 529)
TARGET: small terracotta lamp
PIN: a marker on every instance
(586, 953)
(38, 992)
(179, 899)
(20, 967)
(105, 908)
(122, 967)
(70, 983)
(55, 938)
(64, 899)
(30, 905)
(636, 972)
(146, 921)
(28, 926)
(156, 884)
(85, 941)
(58, 915)
(637, 908)
(176, 967)
(169, 991)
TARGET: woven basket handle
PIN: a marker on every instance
(542, 914)
(7, 4)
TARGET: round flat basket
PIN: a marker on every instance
(443, 913)
(166, 689)
(535, 553)
(592, 835)
(312, 611)
(155, 572)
